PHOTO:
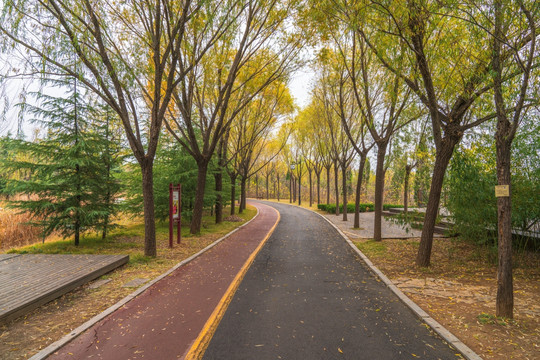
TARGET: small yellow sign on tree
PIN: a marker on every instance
(502, 190)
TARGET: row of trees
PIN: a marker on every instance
(192, 65)
(387, 66)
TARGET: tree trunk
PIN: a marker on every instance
(328, 185)
(196, 220)
(294, 189)
(318, 175)
(336, 183)
(233, 194)
(505, 293)
(218, 177)
(310, 190)
(344, 183)
(442, 159)
(108, 197)
(77, 225)
(300, 187)
(277, 177)
(408, 169)
(503, 142)
(257, 186)
(242, 195)
(148, 208)
(267, 185)
(359, 190)
(379, 190)
(290, 188)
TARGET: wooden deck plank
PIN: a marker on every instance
(55, 275)
(28, 281)
(7, 256)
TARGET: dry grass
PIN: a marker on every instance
(15, 230)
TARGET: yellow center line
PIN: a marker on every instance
(200, 344)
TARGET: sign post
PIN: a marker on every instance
(502, 190)
(175, 198)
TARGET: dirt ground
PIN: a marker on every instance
(459, 291)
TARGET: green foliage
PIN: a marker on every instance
(526, 175)
(175, 165)
(471, 198)
(471, 195)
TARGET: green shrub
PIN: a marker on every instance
(471, 199)
(392, 206)
(363, 207)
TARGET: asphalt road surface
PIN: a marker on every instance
(309, 296)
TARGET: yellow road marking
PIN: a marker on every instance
(200, 344)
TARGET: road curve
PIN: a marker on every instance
(309, 296)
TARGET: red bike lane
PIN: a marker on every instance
(166, 320)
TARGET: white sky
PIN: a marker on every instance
(300, 86)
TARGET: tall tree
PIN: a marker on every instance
(319, 127)
(514, 24)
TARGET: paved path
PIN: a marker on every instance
(308, 296)
(164, 321)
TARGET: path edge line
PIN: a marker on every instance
(202, 341)
(45, 352)
(453, 340)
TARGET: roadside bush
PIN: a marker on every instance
(364, 207)
(392, 206)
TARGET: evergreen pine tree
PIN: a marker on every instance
(68, 187)
(112, 155)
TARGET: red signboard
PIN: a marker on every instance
(175, 202)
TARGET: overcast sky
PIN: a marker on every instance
(300, 86)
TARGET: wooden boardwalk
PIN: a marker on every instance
(28, 281)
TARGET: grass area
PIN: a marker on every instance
(373, 248)
(129, 238)
(25, 336)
